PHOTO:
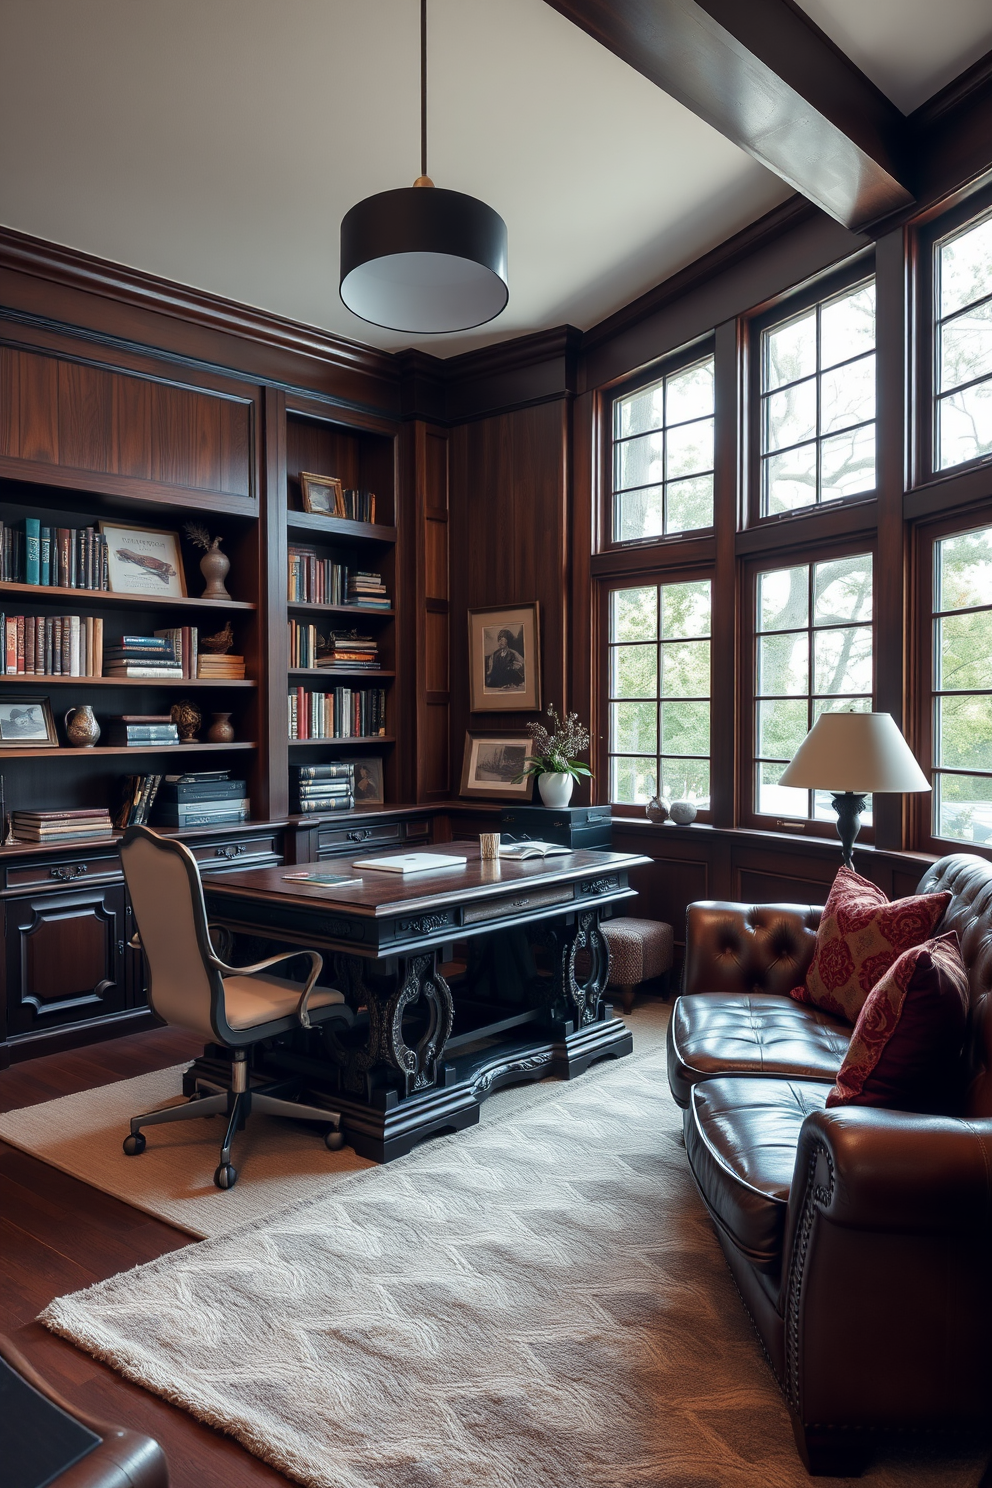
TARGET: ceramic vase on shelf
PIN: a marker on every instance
(81, 728)
(220, 730)
(657, 809)
(556, 787)
(187, 718)
(215, 567)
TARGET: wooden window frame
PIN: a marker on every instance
(685, 356)
(605, 587)
(764, 562)
(784, 308)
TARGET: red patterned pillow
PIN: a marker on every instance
(860, 936)
(905, 1051)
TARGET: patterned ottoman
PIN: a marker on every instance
(639, 950)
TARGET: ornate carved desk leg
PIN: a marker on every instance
(576, 995)
(386, 1049)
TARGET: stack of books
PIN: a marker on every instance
(349, 651)
(220, 668)
(151, 657)
(55, 557)
(345, 713)
(142, 730)
(137, 796)
(367, 589)
(184, 640)
(208, 798)
(314, 580)
(52, 645)
(315, 788)
(359, 506)
(59, 826)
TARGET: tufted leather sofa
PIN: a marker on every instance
(860, 1239)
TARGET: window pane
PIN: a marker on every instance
(848, 464)
(638, 514)
(685, 669)
(790, 351)
(790, 480)
(966, 347)
(964, 732)
(964, 651)
(635, 671)
(790, 416)
(847, 325)
(690, 504)
(634, 614)
(965, 267)
(847, 395)
(634, 728)
(686, 780)
(783, 665)
(689, 449)
(963, 807)
(840, 705)
(685, 610)
(965, 425)
(842, 590)
(685, 728)
(640, 412)
(782, 727)
(842, 660)
(779, 800)
(640, 462)
(633, 781)
(783, 598)
(690, 393)
(964, 570)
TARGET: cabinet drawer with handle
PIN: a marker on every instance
(261, 850)
(517, 904)
(98, 867)
(332, 841)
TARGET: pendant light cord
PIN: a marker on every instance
(423, 87)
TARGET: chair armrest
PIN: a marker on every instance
(748, 947)
(316, 966)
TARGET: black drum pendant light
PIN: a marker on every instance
(422, 259)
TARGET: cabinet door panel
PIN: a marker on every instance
(65, 958)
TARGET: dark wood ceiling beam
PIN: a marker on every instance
(763, 75)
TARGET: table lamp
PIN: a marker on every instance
(851, 754)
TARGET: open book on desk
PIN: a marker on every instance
(522, 850)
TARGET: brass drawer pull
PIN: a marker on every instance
(65, 874)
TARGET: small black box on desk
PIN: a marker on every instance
(570, 826)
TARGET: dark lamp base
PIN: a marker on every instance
(848, 806)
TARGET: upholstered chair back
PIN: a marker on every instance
(163, 882)
(969, 879)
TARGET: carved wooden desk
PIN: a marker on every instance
(527, 1000)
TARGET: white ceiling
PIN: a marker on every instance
(219, 142)
(909, 48)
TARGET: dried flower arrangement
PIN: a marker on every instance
(200, 537)
(555, 751)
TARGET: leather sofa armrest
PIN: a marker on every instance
(748, 947)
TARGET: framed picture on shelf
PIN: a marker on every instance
(491, 763)
(504, 649)
(368, 780)
(26, 720)
(323, 494)
(144, 560)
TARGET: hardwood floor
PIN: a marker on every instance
(57, 1235)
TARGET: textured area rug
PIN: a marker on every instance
(279, 1162)
(537, 1303)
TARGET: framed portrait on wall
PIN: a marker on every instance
(26, 721)
(504, 649)
(368, 779)
(491, 763)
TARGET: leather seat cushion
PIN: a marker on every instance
(717, 1033)
(251, 1000)
(741, 1136)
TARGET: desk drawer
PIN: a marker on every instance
(333, 840)
(517, 904)
(82, 867)
(241, 850)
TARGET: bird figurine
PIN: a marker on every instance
(220, 643)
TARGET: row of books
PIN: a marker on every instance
(55, 557)
(316, 580)
(359, 506)
(206, 798)
(137, 796)
(345, 649)
(316, 788)
(345, 713)
(59, 826)
(52, 645)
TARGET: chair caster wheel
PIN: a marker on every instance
(226, 1176)
(333, 1140)
(134, 1144)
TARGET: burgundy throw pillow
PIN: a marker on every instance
(905, 1051)
(860, 936)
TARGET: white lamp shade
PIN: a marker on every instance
(860, 752)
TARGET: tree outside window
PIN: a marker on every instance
(963, 345)
(663, 456)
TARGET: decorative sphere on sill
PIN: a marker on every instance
(657, 809)
(682, 813)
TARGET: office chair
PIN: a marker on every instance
(191, 987)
